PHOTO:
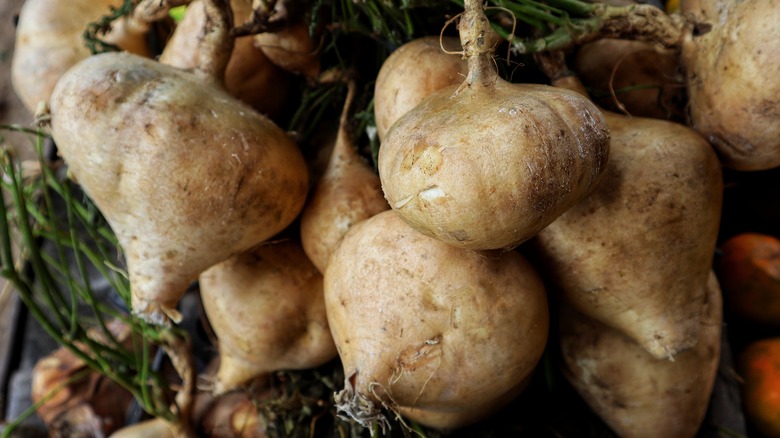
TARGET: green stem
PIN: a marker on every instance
(110, 360)
(22, 129)
(49, 285)
(576, 7)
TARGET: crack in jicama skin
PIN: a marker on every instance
(432, 193)
(427, 194)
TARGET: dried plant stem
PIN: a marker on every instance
(474, 28)
(640, 22)
(215, 43)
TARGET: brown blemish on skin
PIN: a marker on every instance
(417, 356)
(423, 156)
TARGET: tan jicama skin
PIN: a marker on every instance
(636, 252)
(233, 415)
(411, 73)
(490, 164)
(267, 308)
(292, 47)
(249, 75)
(185, 174)
(429, 329)
(733, 71)
(637, 395)
(49, 40)
(348, 192)
(155, 427)
(644, 77)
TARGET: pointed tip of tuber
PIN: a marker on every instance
(235, 372)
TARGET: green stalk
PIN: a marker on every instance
(87, 294)
(25, 229)
(26, 295)
(576, 7)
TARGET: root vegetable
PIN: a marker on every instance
(185, 174)
(249, 75)
(349, 191)
(233, 415)
(749, 270)
(155, 427)
(431, 330)
(732, 63)
(491, 164)
(267, 308)
(292, 48)
(49, 41)
(411, 73)
(644, 78)
(636, 394)
(636, 253)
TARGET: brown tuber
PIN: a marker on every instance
(185, 174)
(267, 308)
(49, 40)
(637, 395)
(635, 254)
(348, 192)
(732, 60)
(249, 75)
(443, 335)
(490, 164)
(411, 73)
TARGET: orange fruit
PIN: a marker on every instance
(749, 273)
(759, 366)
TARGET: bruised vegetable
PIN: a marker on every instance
(249, 75)
(636, 253)
(348, 192)
(411, 73)
(636, 394)
(490, 164)
(267, 308)
(185, 174)
(434, 331)
(733, 77)
(49, 40)
(749, 270)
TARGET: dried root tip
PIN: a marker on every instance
(156, 313)
(357, 408)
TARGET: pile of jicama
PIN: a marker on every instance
(502, 219)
